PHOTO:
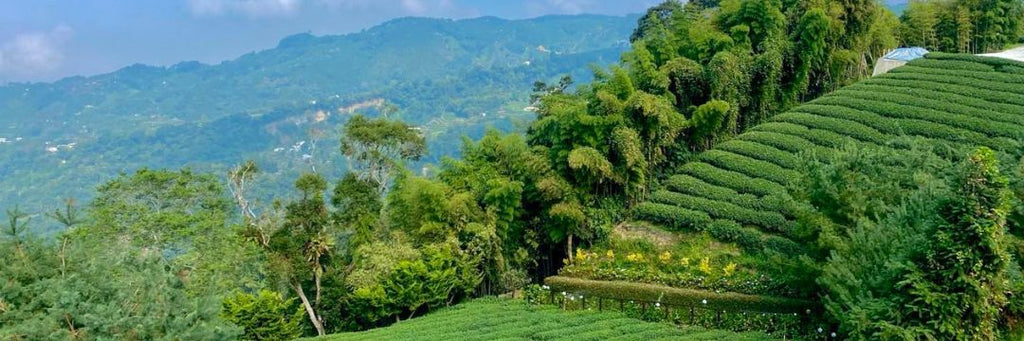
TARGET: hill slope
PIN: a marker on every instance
(491, 319)
(452, 77)
(737, 191)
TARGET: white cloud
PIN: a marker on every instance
(278, 8)
(251, 8)
(569, 6)
(34, 53)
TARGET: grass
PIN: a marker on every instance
(498, 319)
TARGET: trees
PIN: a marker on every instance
(84, 289)
(300, 250)
(264, 316)
(965, 26)
(957, 286)
(926, 260)
(379, 146)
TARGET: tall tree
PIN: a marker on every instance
(300, 250)
(380, 146)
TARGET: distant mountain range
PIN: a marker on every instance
(283, 106)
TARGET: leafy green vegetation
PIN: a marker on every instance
(490, 319)
(963, 26)
(449, 78)
(882, 208)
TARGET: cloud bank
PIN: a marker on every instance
(34, 53)
(278, 8)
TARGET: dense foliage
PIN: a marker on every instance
(893, 203)
(963, 26)
(698, 75)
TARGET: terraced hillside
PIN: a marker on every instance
(737, 191)
(494, 319)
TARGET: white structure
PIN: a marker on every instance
(3, 140)
(897, 58)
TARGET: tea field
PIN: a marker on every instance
(497, 319)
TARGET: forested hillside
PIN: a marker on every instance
(448, 77)
(739, 173)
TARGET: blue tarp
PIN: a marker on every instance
(906, 54)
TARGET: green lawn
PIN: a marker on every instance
(497, 319)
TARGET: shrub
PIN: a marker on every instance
(988, 76)
(679, 297)
(751, 239)
(993, 61)
(672, 216)
(837, 125)
(749, 166)
(937, 96)
(683, 183)
(936, 101)
(965, 90)
(918, 110)
(761, 152)
(948, 65)
(264, 316)
(819, 137)
(734, 180)
(771, 221)
(785, 142)
(1002, 89)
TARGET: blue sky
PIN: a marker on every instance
(44, 40)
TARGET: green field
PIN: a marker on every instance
(496, 319)
(738, 190)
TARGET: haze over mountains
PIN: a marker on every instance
(452, 77)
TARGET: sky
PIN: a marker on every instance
(45, 40)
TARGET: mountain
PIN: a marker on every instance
(283, 106)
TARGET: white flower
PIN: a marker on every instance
(563, 294)
(546, 287)
(704, 301)
(833, 334)
(819, 330)
(657, 304)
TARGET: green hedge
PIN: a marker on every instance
(936, 95)
(790, 143)
(965, 90)
(671, 216)
(823, 138)
(895, 126)
(993, 61)
(749, 166)
(917, 109)
(1013, 69)
(683, 183)
(752, 240)
(841, 126)
(937, 101)
(679, 297)
(769, 221)
(737, 181)
(989, 76)
(686, 184)
(997, 88)
(949, 65)
(761, 152)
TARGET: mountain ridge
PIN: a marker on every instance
(447, 75)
